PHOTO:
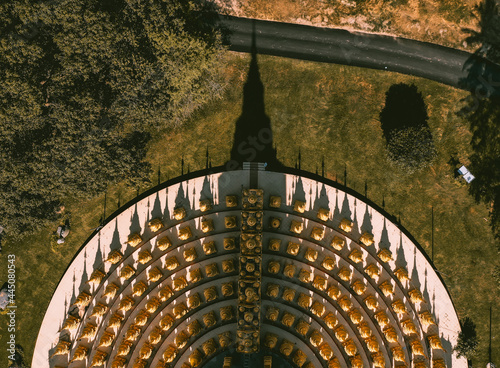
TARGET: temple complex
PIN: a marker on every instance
(251, 264)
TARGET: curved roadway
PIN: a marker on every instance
(446, 65)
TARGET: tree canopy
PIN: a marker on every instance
(85, 83)
(483, 114)
(404, 124)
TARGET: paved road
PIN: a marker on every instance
(443, 64)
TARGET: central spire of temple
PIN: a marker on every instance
(253, 137)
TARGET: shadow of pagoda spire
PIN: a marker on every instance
(253, 137)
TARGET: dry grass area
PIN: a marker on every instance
(326, 110)
(437, 21)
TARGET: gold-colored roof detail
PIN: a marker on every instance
(224, 339)
(114, 257)
(111, 290)
(299, 206)
(355, 316)
(139, 288)
(288, 319)
(212, 270)
(373, 271)
(141, 318)
(209, 319)
(337, 243)
(166, 322)
(171, 263)
(179, 283)
(275, 201)
(371, 302)
(132, 333)
(180, 310)
(210, 293)
(356, 256)
(333, 292)
(325, 351)
(288, 294)
(316, 338)
(207, 225)
(317, 233)
(293, 248)
(169, 354)
(341, 333)
(435, 342)
(119, 362)
(226, 313)
(179, 213)
(193, 301)
(165, 293)
(372, 344)
(385, 255)
(230, 222)
(330, 320)
(71, 323)
(272, 313)
(346, 225)
(127, 272)
(155, 225)
(302, 327)
(126, 304)
(89, 331)
(270, 340)
(415, 296)
(181, 339)
(83, 300)
(99, 310)
(98, 359)
(144, 256)
(304, 301)
(185, 233)
(134, 240)
(296, 227)
(209, 248)
(209, 347)
(323, 214)
(163, 243)
(345, 274)
(96, 277)
(328, 263)
(80, 353)
(387, 288)
(286, 347)
(320, 283)
(115, 320)
(194, 328)
(61, 348)
(273, 290)
(305, 276)
(153, 304)
(205, 205)
(359, 287)
(124, 348)
(390, 334)
(311, 255)
(367, 239)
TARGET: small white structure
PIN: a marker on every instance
(466, 174)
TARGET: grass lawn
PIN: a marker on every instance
(328, 111)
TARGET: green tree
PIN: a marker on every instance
(404, 124)
(467, 339)
(483, 114)
(85, 85)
